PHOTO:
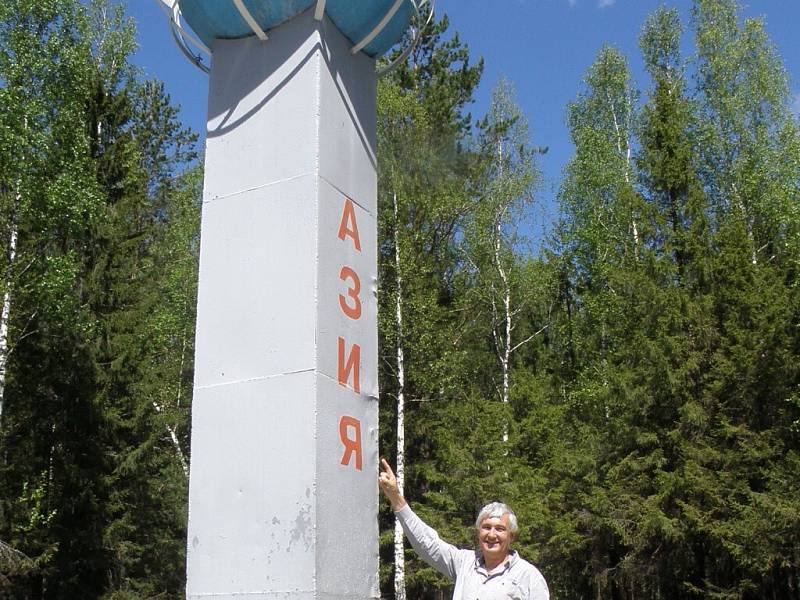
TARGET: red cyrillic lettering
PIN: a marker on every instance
(352, 445)
(354, 312)
(348, 225)
(351, 364)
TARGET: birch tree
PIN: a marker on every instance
(494, 236)
(398, 125)
(597, 190)
(5, 311)
(422, 202)
(750, 137)
(601, 208)
(409, 230)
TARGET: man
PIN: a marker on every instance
(492, 572)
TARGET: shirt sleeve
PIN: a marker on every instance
(442, 556)
(538, 587)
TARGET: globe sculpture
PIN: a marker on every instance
(283, 495)
(372, 26)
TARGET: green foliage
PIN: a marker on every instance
(684, 344)
(651, 429)
(648, 437)
(101, 292)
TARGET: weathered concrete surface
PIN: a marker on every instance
(283, 495)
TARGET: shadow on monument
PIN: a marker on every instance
(239, 86)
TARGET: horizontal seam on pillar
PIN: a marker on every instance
(343, 193)
(258, 187)
(370, 396)
(254, 379)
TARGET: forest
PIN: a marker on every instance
(630, 384)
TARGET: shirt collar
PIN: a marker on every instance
(480, 565)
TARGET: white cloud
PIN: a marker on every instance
(605, 3)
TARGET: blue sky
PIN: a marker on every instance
(543, 46)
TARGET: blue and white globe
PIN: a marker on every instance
(220, 19)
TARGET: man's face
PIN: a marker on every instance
(494, 538)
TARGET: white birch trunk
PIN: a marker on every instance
(176, 443)
(173, 436)
(6, 309)
(624, 149)
(745, 213)
(5, 312)
(505, 350)
(399, 550)
(504, 346)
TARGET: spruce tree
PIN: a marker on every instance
(93, 490)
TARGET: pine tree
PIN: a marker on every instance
(93, 491)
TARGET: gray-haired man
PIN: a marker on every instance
(492, 572)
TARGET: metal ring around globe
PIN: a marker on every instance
(172, 11)
(414, 40)
(195, 59)
(379, 27)
(186, 41)
(180, 35)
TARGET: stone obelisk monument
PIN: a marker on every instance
(283, 495)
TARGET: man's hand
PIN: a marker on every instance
(388, 484)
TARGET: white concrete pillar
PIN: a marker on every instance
(283, 493)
